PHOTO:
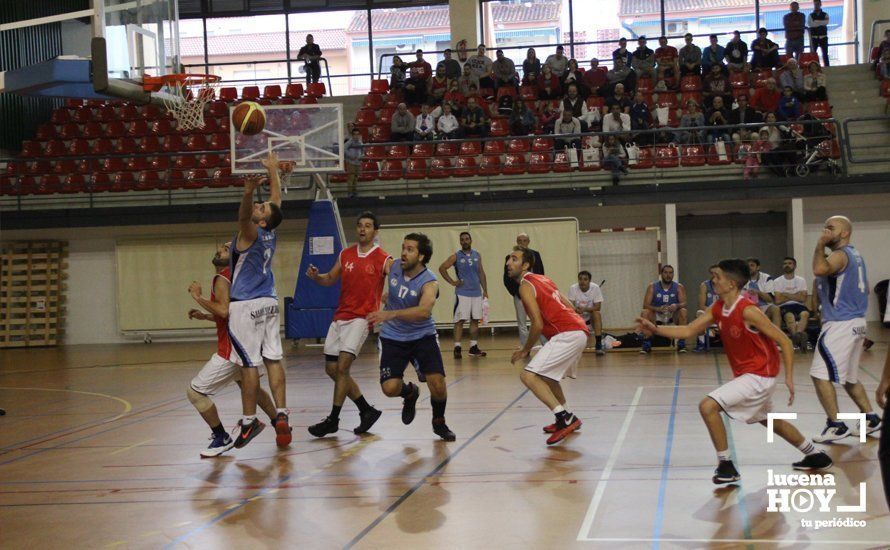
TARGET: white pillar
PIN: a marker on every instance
(798, 246)
(670, 238)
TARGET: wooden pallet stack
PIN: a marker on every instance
(32, 293)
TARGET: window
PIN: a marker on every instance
(598, 21)
(402, 31)
(514, 26)
(238, 47)
(331, 31)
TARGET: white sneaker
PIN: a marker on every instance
(218, 445)
(832, 433)
(873, 424)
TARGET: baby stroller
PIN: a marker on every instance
(816, 151)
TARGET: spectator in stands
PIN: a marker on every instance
(402, 125)
(718, 115)
(614, 156)
(618, 121)
(454, 97)
(716, 85)
(575, 77)
(714, 54)
(531, 67)
(467, 80)
(640, 119)
(473, 120)
(792, 77)
(622, 53)
(310, 54)
(691, 118)
(547, 116)
(790, 294)
(883, 47)
(480, 66)
(783, 151)
(448, 125)
(352, 155)
(817, 23)
(884, 64)
(668, 65)
(570, 127)
(595, 77)
(504, 71)
(548, 84)
(397, 73)
(737, 53)
(416, 85)
(766, 100)
(766, 52)
(794, 23)
(451, 66)
(753, 158)
(618, 97)
(522, 119)
(789, 105)
(557, 62)
(690, 57)
(425, 125)
(438, 86)
(575, 104)
(742, 117)
(643, 59)
(622, 74)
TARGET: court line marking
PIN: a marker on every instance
(748, 541)
(662, 489)
(413, 489)
(587, 524)
(134, 445)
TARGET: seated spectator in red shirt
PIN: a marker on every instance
(416, 85)
(766, 100)
(438, 86)
(547, 116)
(716, 85)
(473, 121)
(595, 77)
(548, 84)
(668, 65)
(453, 94)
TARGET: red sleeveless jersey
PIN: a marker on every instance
(748, 351)
(557, 316)
(223, 344)
(361, 282)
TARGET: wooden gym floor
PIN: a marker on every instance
(99, 448)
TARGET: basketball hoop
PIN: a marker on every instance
(185, 96)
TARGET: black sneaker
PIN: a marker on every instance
(725, 473)
(457, 354)
(818, 461)
(476, 352)
(410, 403)
(367, 418)
(327, 426)
(442, 430)
(247, 433)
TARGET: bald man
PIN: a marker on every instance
(842, 289)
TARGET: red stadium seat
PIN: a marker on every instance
(644, 160)
(379, 86)
(102, 146)
(540, 163)
(70, 131)
(541, 144)
(250, 93)
(174, 143)
(92, 130)
(151, 144)
(494, 148)
(783, 58)
(385, 116)
(500, 127)
(162, 127)
(690, 83)
(366, 117)
(316, 89)
(369, 171)
(885, 87)
(692, 155)
(123, 181)
(45, 132)
(819, 109)
(212, 161)
(739, 79)
(528, 93)
(595, 102)
(422, 150)
(82, 116)
(441, 167)
(374, 152)
(185, 162)
(761, 76)
(417, 168)
(65, 166)
(373, 101)
(160, 163)
(514, 164)
(31, 149)
(466, 167)
(196, 142)
(272, 91)
(113, 164)
(713, 158)
(447, 149)
(57, 148)
(392, 99)
(129, 112)
(74, 183)
(148, 180)
(138, 128)
(506, 91)
(153, 112)
(224, 178)
(470, 148)
(561, 162)
(211, 126)
(379, 133)
(217, 109)
(645, 85)
(196, 179)
(137, 164)
(490, 166)
(517, 146)
(126, 146)
(60, 116)
(228, 94)
(397, 151)
(294, 91)
(666, 157)
(391, 169)
(106, 114)
(38, 167)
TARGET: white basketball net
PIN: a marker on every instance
(187, 101)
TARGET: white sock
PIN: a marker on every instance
(473, 343)
(723, 455)
(285, 411)
(457, 344)
(558, 409)
(807, 448)
(247, 420)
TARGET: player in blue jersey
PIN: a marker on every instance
(253, 305)
(842, 286)
(470, 289)
(409, 335)
(706, 298)
(665, 302)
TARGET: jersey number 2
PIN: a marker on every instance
(267, 257)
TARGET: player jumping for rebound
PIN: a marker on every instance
(409, 335)
(363, 269)
(220, 370)
(749, 340)
(552, 315)
(253, 307)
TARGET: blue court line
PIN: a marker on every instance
(746, 520)
(659, 512)
(355, 540)
(448, 386)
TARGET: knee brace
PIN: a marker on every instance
(200, 401)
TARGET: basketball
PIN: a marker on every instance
(249, 118)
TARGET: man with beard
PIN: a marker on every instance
(363, 268)
(790, 294)
(665, 302)
(470, 289)
(220, 370)
(842, 286)
(409, 335)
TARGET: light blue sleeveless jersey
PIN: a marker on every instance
(252, 268)
(467, 268)
(844, 295)
(403, 293)
(662, 297)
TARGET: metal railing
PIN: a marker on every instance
(867, 139)
(287, 79)
(874, 33)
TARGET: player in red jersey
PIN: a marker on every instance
(749, 339)
(220, 370)
(363, 268)
(552, 315)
